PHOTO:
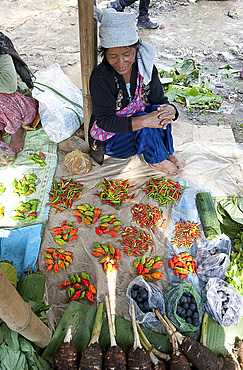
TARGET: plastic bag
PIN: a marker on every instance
(173, 300)
(77, 162)
(214, 260)
(223, 302)
(7, 156)
(155, 299)
(60, 118)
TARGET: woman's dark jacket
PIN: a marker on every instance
(109, 95)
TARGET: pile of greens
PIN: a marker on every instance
(234, 275)
(191, 84)
(230, 216)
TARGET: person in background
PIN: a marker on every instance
(17, 108)
(143, 17)
(131, 114)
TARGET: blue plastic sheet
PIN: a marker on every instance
(21, 246)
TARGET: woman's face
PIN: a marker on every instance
(121, 59)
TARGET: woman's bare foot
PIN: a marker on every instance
(166, 166)
(179, 162)
(17, 140)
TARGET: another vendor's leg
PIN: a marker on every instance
(17, 140)
(143, 17)
(16, 110)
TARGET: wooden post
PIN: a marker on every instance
(86, 36)
(17, 314)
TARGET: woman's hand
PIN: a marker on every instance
(166, 115)
(158, 119)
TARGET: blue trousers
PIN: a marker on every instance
(154, 143)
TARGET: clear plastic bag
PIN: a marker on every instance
(7, 156)
(223, 302)
(77, 162)
(60, 117)
(155, 300)
(214, 260)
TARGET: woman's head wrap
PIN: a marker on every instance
(119, 29)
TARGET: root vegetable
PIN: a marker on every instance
(157, 364)
(230, 363)
(238, 350)
(66, 355)
(138, 357)
(115, 357)
(92, 357)
(198, 354)
(178, 360)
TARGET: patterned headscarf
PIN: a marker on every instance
(119, 29)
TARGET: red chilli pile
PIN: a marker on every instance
(146, 215)
(114, 192)
(63, 194)
(186, 233)
(136, 241)
(164, 190)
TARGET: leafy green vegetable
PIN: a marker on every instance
(234, 275)
(191, 84)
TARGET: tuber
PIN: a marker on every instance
(178, 361)
(92, 357)
(138, 357)
(157, 364)
(199, 355)
(115, 357)
(66, 355)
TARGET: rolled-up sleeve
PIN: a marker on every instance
(8, 75)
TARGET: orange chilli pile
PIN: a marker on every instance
(135, 241)
(147, 216)
(114, 192)
(185, 234)
(57, 258)
(65, 233)
(79, 286)
(109, 256)
(163, 190)
(146, 267)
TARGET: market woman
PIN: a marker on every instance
(17, 108)
(131, 115)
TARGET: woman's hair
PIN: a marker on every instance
(102, 51)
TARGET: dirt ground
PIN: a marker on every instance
(210, 32)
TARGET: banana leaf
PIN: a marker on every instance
(221, 339)
(31, 286)
(82, 318)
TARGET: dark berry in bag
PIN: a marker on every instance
(187, 309)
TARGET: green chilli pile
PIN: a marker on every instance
(37, 158)
(26, 211)
(114, 192)
(79, 286)
(25, 186)
(146, 267)
(164, 190)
